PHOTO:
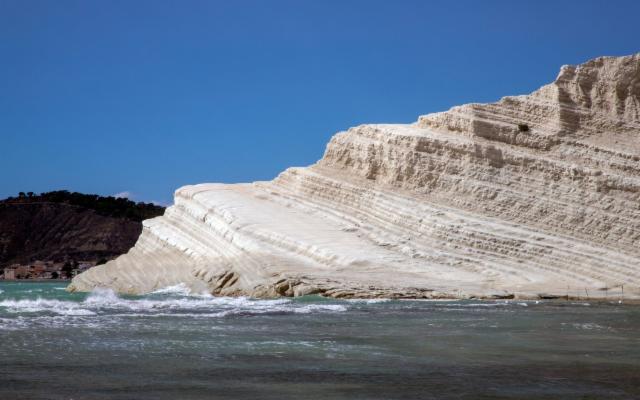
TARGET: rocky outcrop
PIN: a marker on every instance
(535, 195)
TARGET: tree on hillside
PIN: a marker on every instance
(108, 206)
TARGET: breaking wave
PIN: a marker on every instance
(44, 305)
(175, 301)
(179, 289)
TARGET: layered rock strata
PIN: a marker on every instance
(532, 196)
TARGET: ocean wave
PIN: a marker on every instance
(368, 301)
(179, 289)
(588, 326)
(242, 311)
(108, 299)
(168, 302)
(45, 305)
(309, 308)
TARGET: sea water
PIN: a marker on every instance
(173, 344)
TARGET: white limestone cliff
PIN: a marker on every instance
(532, 196)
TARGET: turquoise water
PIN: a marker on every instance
(171, 345)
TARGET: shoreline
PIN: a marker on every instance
(408, 297)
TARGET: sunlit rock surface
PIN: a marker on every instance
(535, 195)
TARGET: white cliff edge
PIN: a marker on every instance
(532, 196)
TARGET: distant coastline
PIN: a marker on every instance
(59, 234)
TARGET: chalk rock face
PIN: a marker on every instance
(535, 195)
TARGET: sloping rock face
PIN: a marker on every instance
(69, 226)
(61, 232)
(532, 196)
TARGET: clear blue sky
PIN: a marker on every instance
(147, 96)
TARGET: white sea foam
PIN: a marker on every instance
(472, 305)
(588, 326)
(271, 309)
(107, 299)
(169, 302)
(368, 301)
(309, 308)
(45, 305)
(179, 289)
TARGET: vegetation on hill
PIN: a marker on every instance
(109, 206)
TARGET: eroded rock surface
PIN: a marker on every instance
(535, 195)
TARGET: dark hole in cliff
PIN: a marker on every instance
(523, 127)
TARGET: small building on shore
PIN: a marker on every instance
(10, 273)
(22, 272)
